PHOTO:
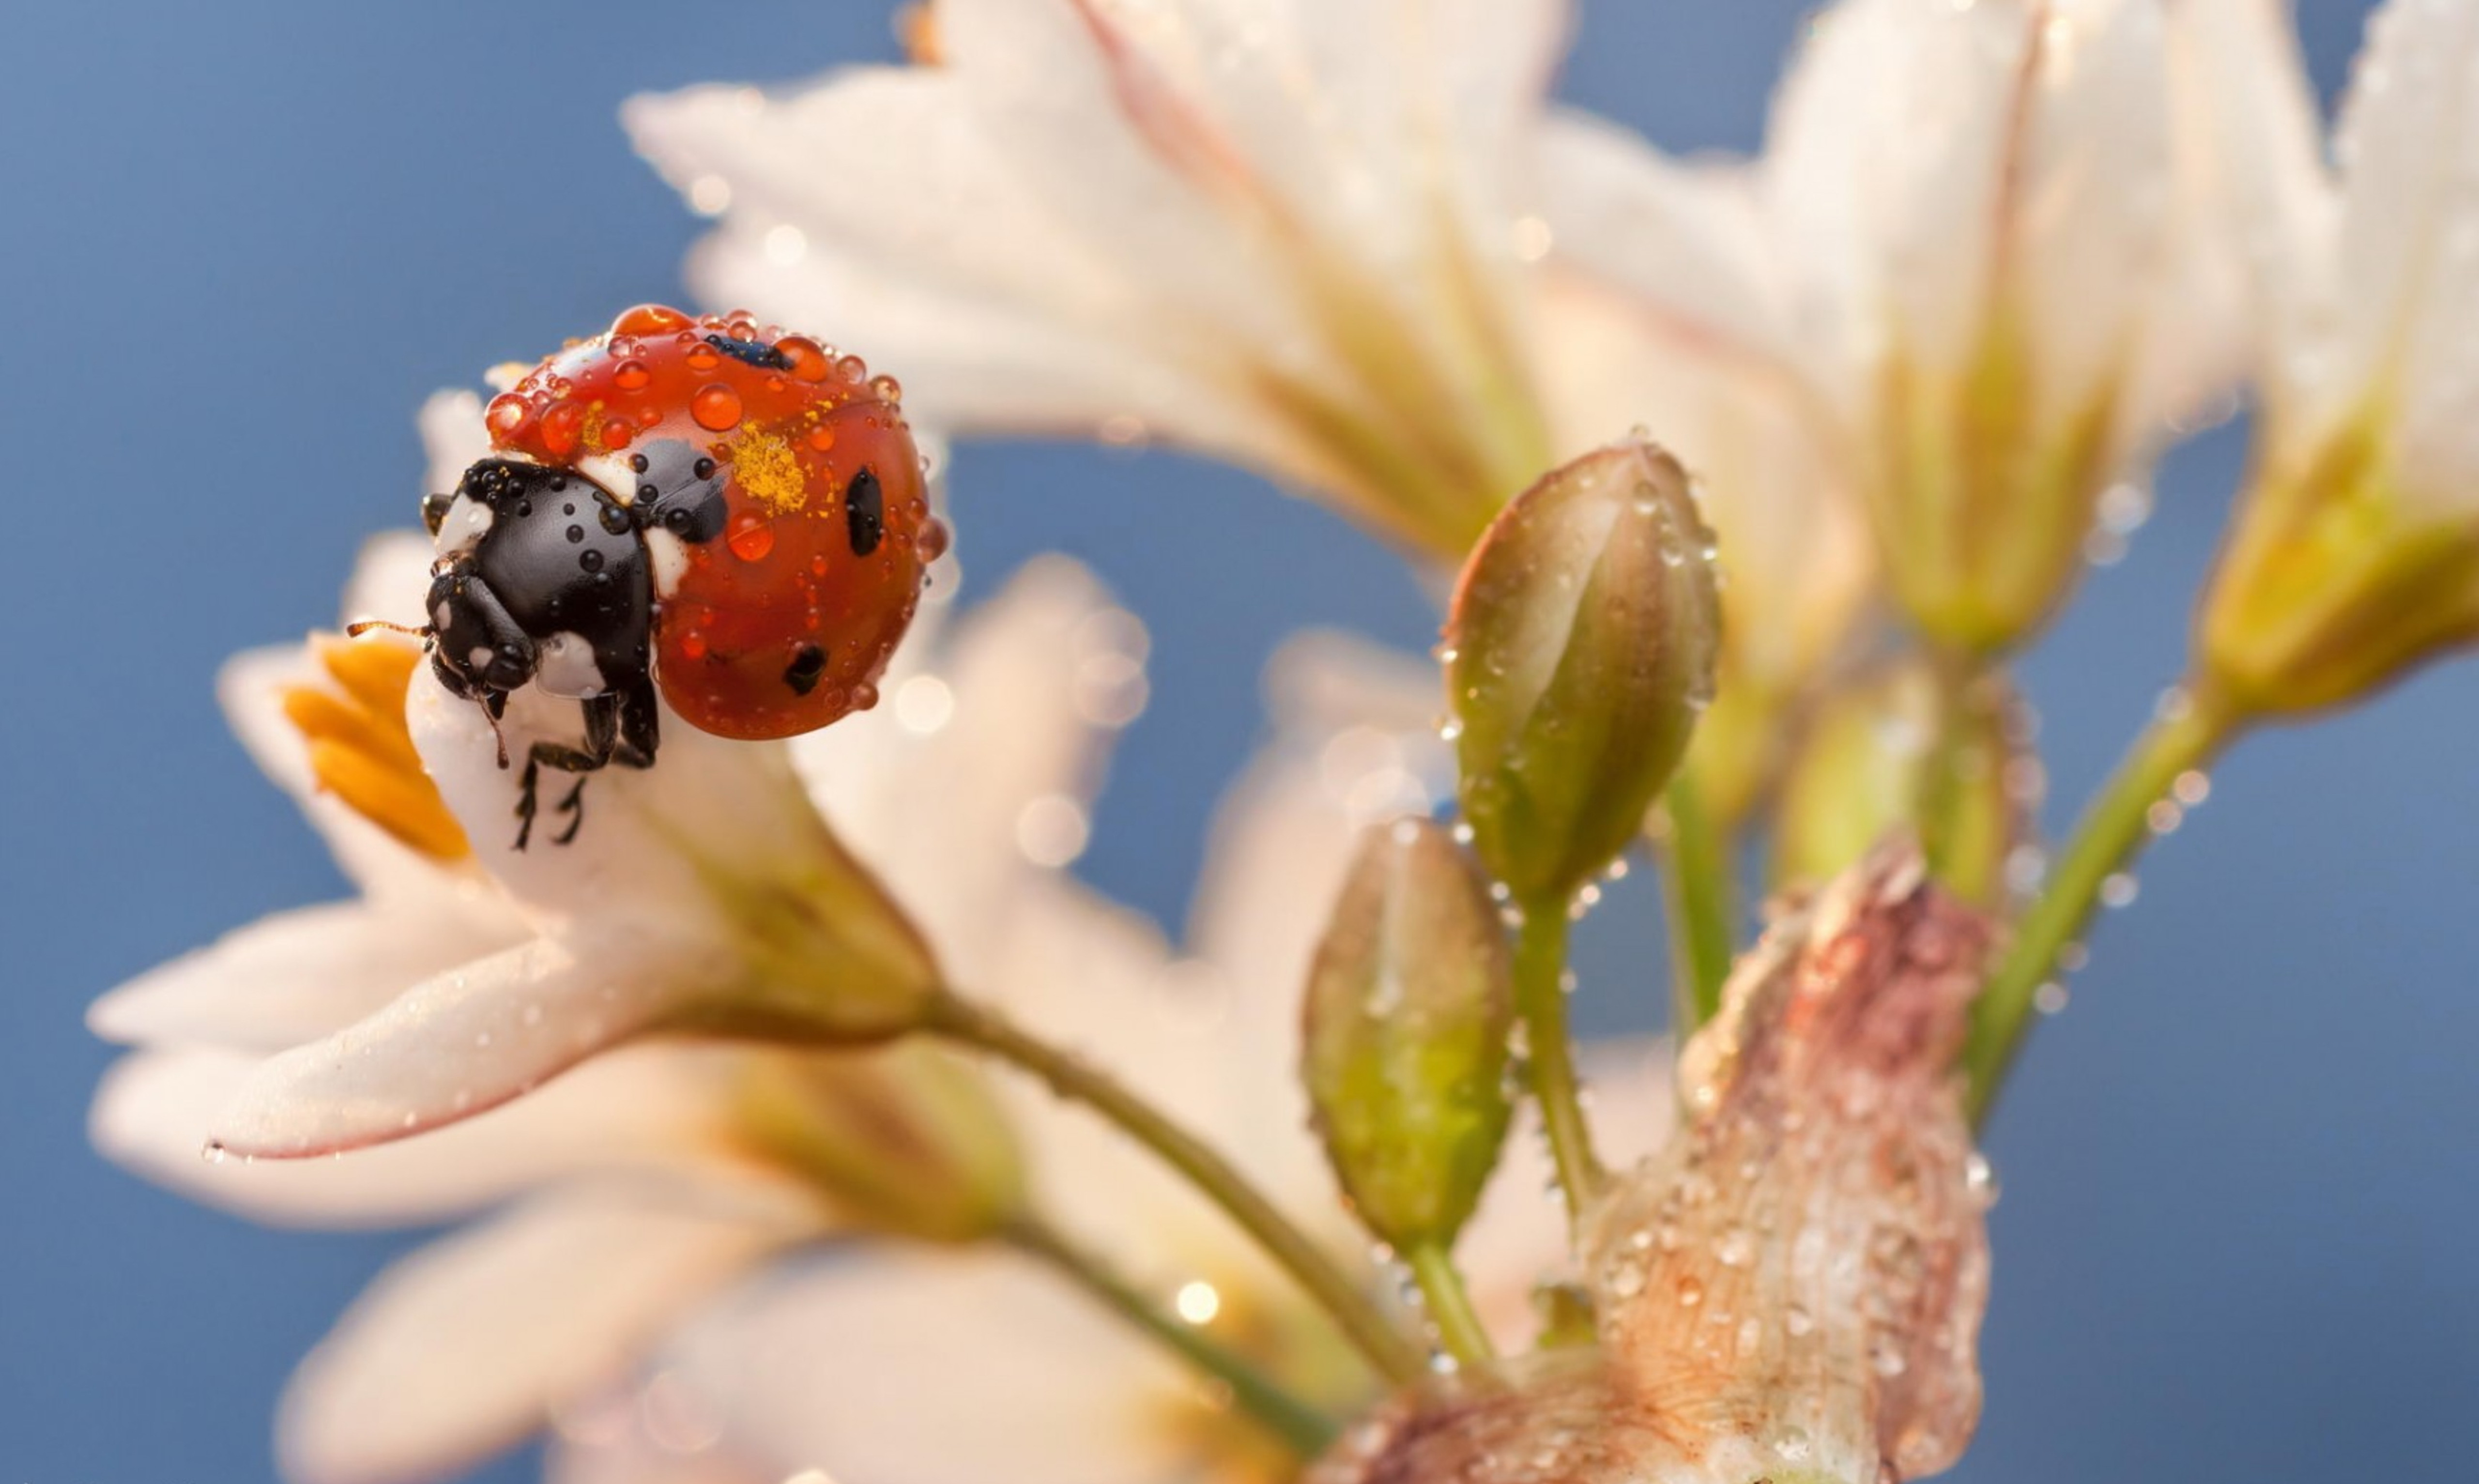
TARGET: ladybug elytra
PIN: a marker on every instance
(705, 505)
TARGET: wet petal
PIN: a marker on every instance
(298, 975)
(461, 1043)
(654, 1107)
(464, 1347)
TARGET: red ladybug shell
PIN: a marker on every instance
(785, 621)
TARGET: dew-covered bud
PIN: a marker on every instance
(1406, 1021)
(1875, 755)
(904, 1141)
(1579, 650)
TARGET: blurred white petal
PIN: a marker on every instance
(918, 1369)
(464, 1347)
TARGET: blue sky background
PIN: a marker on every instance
(244, 240)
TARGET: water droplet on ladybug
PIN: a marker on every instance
(704, 357)
(648, 320)
(822, 439)
(888, 389)
(752, 538)
(808, 359)
(864, 696)
(693, 645)
(615, 434)
(632, 377)
(818, 564)
(507, 415)
(716, 407)
(561, 425)
(932, 541)
(853, 368)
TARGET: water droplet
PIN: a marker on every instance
(752, 538)
(2050, 999)
(1797, 1323)
(1691, 1292)
(1628, 1280)
(716, 407)
(632, 377)
(654, 318)
(888, 389)
(704, 357)
(2118, 889)
(507, 415)
(1979, 1178)
(1735, 1248)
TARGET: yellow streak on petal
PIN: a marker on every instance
(361, 749)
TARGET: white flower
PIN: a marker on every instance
(1287, 235)
(1302, 237)
(830, 1368)
(646, 1179)
(1968, 257)
(2356, 552)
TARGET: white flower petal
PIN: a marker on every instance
(919, 1368)
(933, 788)
(298, 975)
(2408, 254)
(1687, 244)
(641, 1108)
(463, 1348)
(461, 1043)
(2250, 124)
(455, 438)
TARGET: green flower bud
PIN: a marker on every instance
(1579, 650)
(906, 1141)
(1862, 770)
(1404, 1053)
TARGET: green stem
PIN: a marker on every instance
(1698, 891)
(1541, 1001)
(1298, 1426)
(2114, 827)
(1942, 785)
(1353, 1310)
(1449, 1304)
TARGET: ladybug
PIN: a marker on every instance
(707, 507)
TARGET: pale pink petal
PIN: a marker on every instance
(464, 1347)
(461, 1043)
(638, 1108)
(920, 1369)
(298, 975)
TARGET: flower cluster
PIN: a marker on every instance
(805, 1103)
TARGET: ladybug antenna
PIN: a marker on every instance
(361, 627)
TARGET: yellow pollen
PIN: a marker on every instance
(770, 472)
(360, 749)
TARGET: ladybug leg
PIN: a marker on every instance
(639, 725)
(603, 744)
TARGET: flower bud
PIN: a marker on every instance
(1579, 649)
(1404, 1052)
(2338, 579)
(1862, 769)
(904, 1141)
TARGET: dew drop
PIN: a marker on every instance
(752, 538)
(507, 415)
(716, 407)
(632, 377)
(2118, 889)
(648, 320)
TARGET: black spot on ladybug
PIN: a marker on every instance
(865, 512)
(805, 670)
(765, 357)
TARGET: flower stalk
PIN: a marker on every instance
(1540, 1006)
(978, 1028)
(1699, 902)
(1297, 1427)
(2114, 828)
